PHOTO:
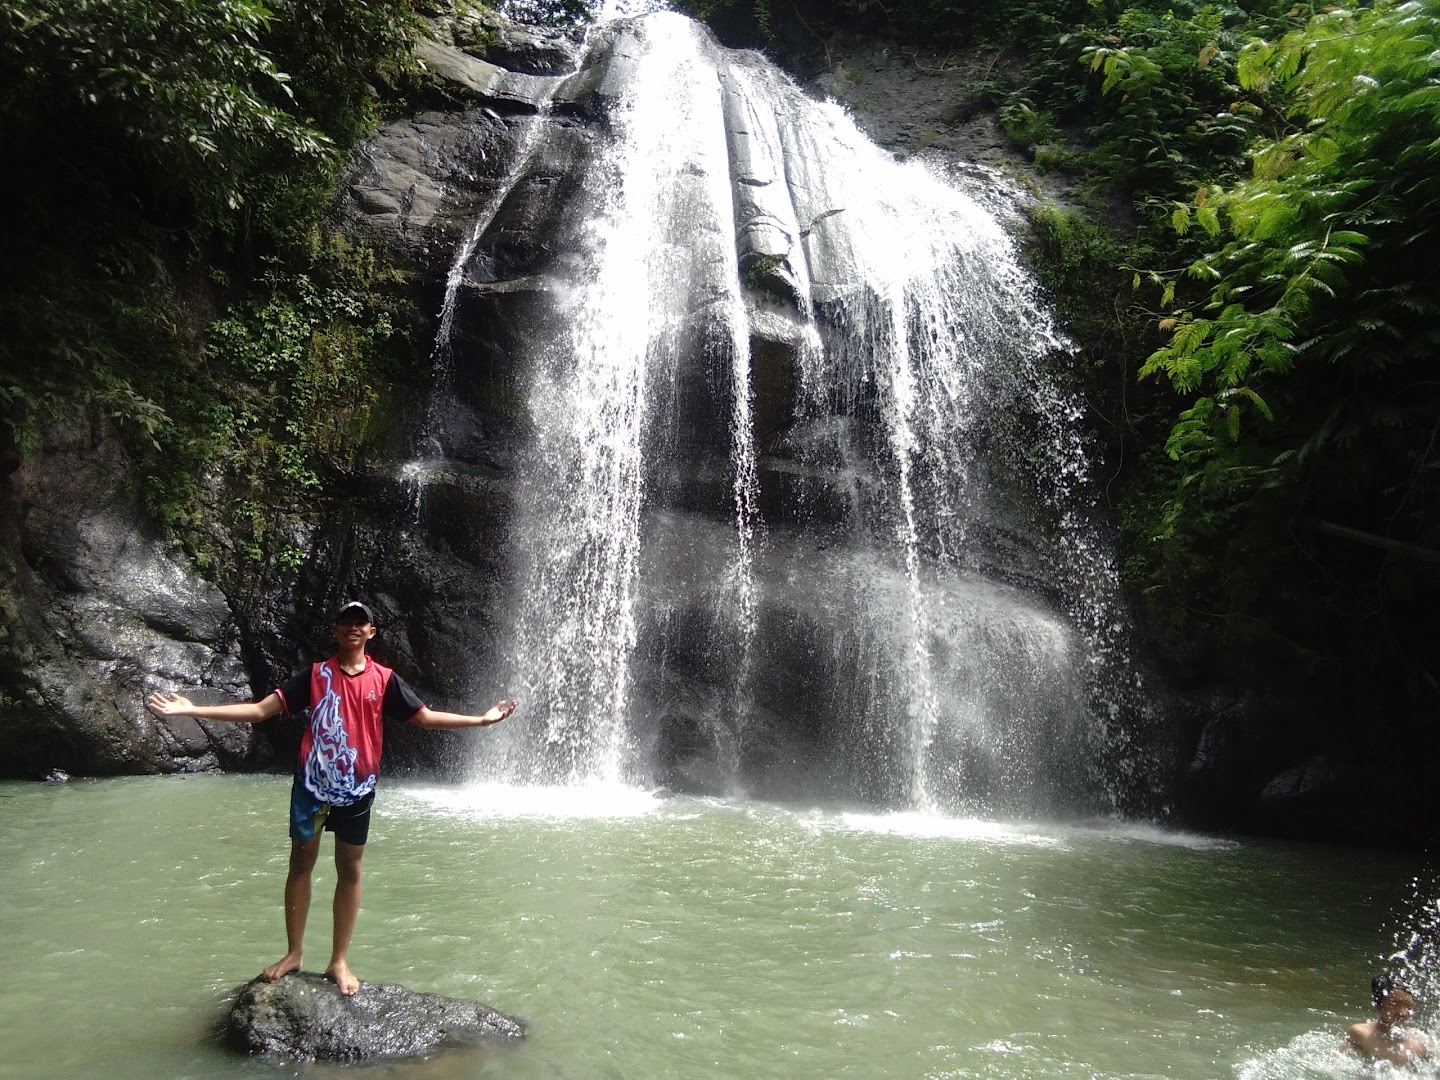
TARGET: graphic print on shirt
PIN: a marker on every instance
(330, 767)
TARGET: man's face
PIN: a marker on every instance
(354, 632)
(1397, 1007)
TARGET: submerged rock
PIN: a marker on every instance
(304, 1017)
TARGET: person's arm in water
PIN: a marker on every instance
(449, 721)
(248, 713)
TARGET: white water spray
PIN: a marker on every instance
(592, 401)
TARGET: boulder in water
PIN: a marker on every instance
(303, 1016)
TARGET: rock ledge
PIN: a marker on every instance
(304, 1017)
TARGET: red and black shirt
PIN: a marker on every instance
(340, 753)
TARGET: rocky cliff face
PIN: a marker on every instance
(102, 611)
(764, 248)
(99, 611)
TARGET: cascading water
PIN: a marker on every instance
(1414, 961)
(416, 472)
(641, 301)
(802, 507)
(932, 328)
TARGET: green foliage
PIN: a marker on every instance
(1026, 125)
(927, 24)
(1302, 341)
(760, 268)
(67, 325)
(199, 102)
(290, 558)
(341, 56)
(292, 390)
(1053, 157)
(1330, 224)
(947, 24)
(760, 275)
(139, 133)
(1171, 115)
(176, 89)
(1077, 261)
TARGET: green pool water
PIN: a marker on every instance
(649, 937)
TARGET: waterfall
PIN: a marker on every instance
(416, 473)
(431, 439)
(593, 398)
(803, 505)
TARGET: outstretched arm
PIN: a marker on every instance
(247, 713)
(447, 721)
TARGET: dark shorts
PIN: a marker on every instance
(308, 815)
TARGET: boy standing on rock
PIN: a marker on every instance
(349, 696)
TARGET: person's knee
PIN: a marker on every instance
(302, 857)
(347, 862)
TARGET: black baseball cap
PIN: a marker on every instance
(351, 608)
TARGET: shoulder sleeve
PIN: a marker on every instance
(400, 703)
(295, 692)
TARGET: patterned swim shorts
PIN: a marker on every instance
(308, 814)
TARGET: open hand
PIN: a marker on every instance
(501, 710)
(169, 704)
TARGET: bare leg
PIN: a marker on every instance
(297, 905)
(347, 908)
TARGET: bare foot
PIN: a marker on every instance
(344, 978)
(286, 964)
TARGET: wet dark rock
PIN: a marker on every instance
(304, 1017)
(486, 82)
(98, 612)
(412, 186)
(532, 50)
(942, 108)
(930, 107)
(1303, 781)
